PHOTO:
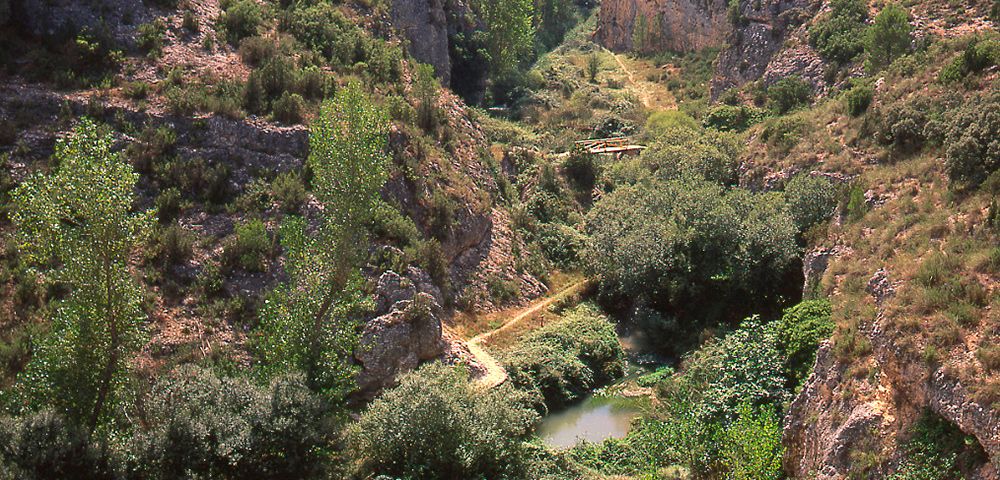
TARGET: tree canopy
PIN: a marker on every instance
(78, 224)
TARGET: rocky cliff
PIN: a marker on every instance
(658, 25)
(769, 41)
(429, 27)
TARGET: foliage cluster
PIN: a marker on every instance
(558, 363)
(436, 424)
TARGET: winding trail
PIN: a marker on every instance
(652, 95)
(495, 374)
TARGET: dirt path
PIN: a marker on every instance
(652, 95)
(495, 373)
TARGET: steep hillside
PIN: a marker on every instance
(215, 159)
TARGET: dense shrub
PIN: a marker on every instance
(289, 191)
(581, 169)
(682, 152)
(839, 37)
(788, 94)
(811, 200)
(199, 425)
(249, 247)
(888, 38)
(665, 239)
(425, 88)
(732, 118)
(859, 98)
(46, 445)
(324, 29)
(560, 362)
(751, 446)
(715, 417)
(436, 424)
(972, 141)
(149, 37)
(938, 450)
(240, 19)
(666, 120)
(289, 108)
(978, 55)
(783, 133)
(800, 331)
(903, 124)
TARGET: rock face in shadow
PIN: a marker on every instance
(425, 25)
(429, 27)
(651, 26)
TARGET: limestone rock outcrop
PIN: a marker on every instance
(405, 332)
(658, 25)
(763, 30)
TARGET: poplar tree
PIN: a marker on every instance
(78, 226)
(306, 324)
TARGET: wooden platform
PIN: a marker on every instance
(616, 145)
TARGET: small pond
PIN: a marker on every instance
(594, 420)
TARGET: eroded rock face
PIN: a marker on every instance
(425, 25)
(116, 19)
(428, 26)
(658, 25)
(405, 332)
(766, 26)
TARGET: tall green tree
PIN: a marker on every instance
(306, 324)
(509, 36)
(79, 225)
(888, 36)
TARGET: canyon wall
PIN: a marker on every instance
(656, 25)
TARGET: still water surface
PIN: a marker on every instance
(594, 419)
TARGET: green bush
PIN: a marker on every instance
(839, 37)
(289, 191)
(751, 446)
(666, 120)
(289, 108)
(436, 424)
(728, 118)
(169, 205)
(859, 98)
(788, 94)
(324, 29)
(257, 49)
(200, 425)
(800, 331)
(240, 19)
(811, 200)
(972, 141)
(715, 418)
(153, 144)
(249, 247)
(938, 450)
(903, 124)
(173, 245)
(888, 38)
(149, 37)
(783, 133)
(45, 445)
(560, 362)
(979, 55)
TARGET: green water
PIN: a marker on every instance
(594, 420)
